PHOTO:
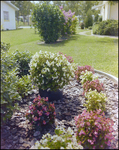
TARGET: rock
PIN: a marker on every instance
(33, 141)
(21, 140)
(26, 145)
(14, 131)
(37, 133)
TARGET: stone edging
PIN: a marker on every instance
(113, 78)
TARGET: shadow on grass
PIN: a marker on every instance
(60, 42)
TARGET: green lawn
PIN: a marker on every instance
(100, 53)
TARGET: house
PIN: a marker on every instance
(8, 15)
(107, 11)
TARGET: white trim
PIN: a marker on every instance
(9, 3)
(97, 6)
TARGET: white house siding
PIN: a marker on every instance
(114, 11)
(10, 24)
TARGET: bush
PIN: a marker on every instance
(100, 18)
(82, 68)
(62, 140)
(94, 131)
(22, 59)
(50, 71)
(69, 26)
(87, 76)
(95, 100)
(24, 86)
(96, 17)
(90, 28)
(82, 25)
(69, 58)
(41, 112)
(49, 20)
(89, 19)
(93, 85)
(107, 27)
(4, 46)
(9, 93)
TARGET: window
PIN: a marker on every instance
(6, 15)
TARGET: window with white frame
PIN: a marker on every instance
(6, 15)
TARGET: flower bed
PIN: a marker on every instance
(42, 113)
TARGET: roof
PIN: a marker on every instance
(9, 3)
(97, 6)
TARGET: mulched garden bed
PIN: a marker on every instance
(18, 134)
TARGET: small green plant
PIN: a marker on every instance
(94, 130)
(22, 59)
(62, 140)
(87, 76)
(50, 71)
(95, 100)
(92, 85)
(82, 68)
(41, 113)
(4, 46)
(24, 86)
(90, 27)
(9, 93)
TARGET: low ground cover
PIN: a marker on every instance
(100, 53)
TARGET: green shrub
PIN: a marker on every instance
(100, 18)
(89, 19)
(82, 25)
(4, 46)
(90, 27)
(50, 71)
(50, 21)
(62, 140)
(87, 76)
(96, 17)
(22, 59)
(9, 94)
(107, 27)
(24, 86)
(95, 100)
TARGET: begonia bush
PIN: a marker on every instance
(41, 112)
(82, 68)
(95, 100)
(92, 85)
(87, 76)
(64, 139)
(94, 130)
(69, 58)
(50, 71)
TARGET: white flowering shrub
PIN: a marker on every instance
(50, 71)
(62, 140)
(87, 76)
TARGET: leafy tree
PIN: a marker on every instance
(49, 21)
(24, 8)
(89, 19)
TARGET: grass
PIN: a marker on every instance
(100, 53)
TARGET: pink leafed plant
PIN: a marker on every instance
(69, 58)
(41, 112)
(94, 130)
(93, 85)
(82, 68)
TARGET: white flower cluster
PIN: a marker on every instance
(50, 69)
(87, 76)
(61, 136)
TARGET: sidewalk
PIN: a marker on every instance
(26, 27)
(84, 33)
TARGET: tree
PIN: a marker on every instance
(24, 8)
(89, 19)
